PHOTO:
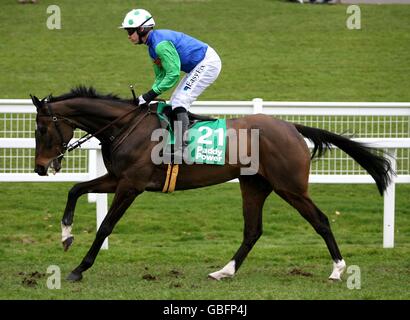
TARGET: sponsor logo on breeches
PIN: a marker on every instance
(194, 78)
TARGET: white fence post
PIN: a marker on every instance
(101, 198)
(92, 171)
(389, 205)
(257, 105)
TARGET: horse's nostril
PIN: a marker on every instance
(40, 170)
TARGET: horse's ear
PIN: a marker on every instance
(37, 103)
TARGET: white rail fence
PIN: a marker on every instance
(382, 125)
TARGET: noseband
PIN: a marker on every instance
(56, 122)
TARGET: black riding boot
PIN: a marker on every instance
(180, 130)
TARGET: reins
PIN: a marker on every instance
(131, 129)
(88, 136)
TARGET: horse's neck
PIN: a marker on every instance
(91, 115)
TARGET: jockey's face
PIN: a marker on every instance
(133, 36)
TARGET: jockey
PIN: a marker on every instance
(171, 53)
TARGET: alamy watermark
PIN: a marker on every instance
(354, 20)
(54, 280)
(354, 281)
(54, 20)
(242, 147)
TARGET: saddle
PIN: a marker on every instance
(167, 117)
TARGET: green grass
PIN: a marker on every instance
(180, 238)
(270, 49)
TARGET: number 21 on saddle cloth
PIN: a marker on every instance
(206, 139)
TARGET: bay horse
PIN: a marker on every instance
(284, 164)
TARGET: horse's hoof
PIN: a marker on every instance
(334, 280)
(74, 276)
(338, 269)
(212, 278)
(67, 243)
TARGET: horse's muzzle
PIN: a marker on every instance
(40, 170)
(56, 165)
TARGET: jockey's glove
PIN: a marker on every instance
(141, 100)
(147, 97)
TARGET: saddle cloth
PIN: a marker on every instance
(206, 136)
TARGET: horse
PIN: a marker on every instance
(284, 164)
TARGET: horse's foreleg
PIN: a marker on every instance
(255, 190)
(103, 184)
(124, 196)
(320, 223)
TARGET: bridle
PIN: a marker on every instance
(70, 147)
(56, 122)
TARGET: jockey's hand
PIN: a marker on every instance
(147, 97)
(141, 100)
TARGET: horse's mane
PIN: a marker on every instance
(82, 91)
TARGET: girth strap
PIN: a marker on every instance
(171, 179)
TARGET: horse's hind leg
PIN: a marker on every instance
(255, 190)
(320, 223)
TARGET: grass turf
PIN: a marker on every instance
(270, 49)
(165, 246)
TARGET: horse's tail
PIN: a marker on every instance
(376, 165)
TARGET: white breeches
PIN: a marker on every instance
(195, 82)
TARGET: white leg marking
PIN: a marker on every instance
(65, 232)
(226, 272)
(339, 267)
